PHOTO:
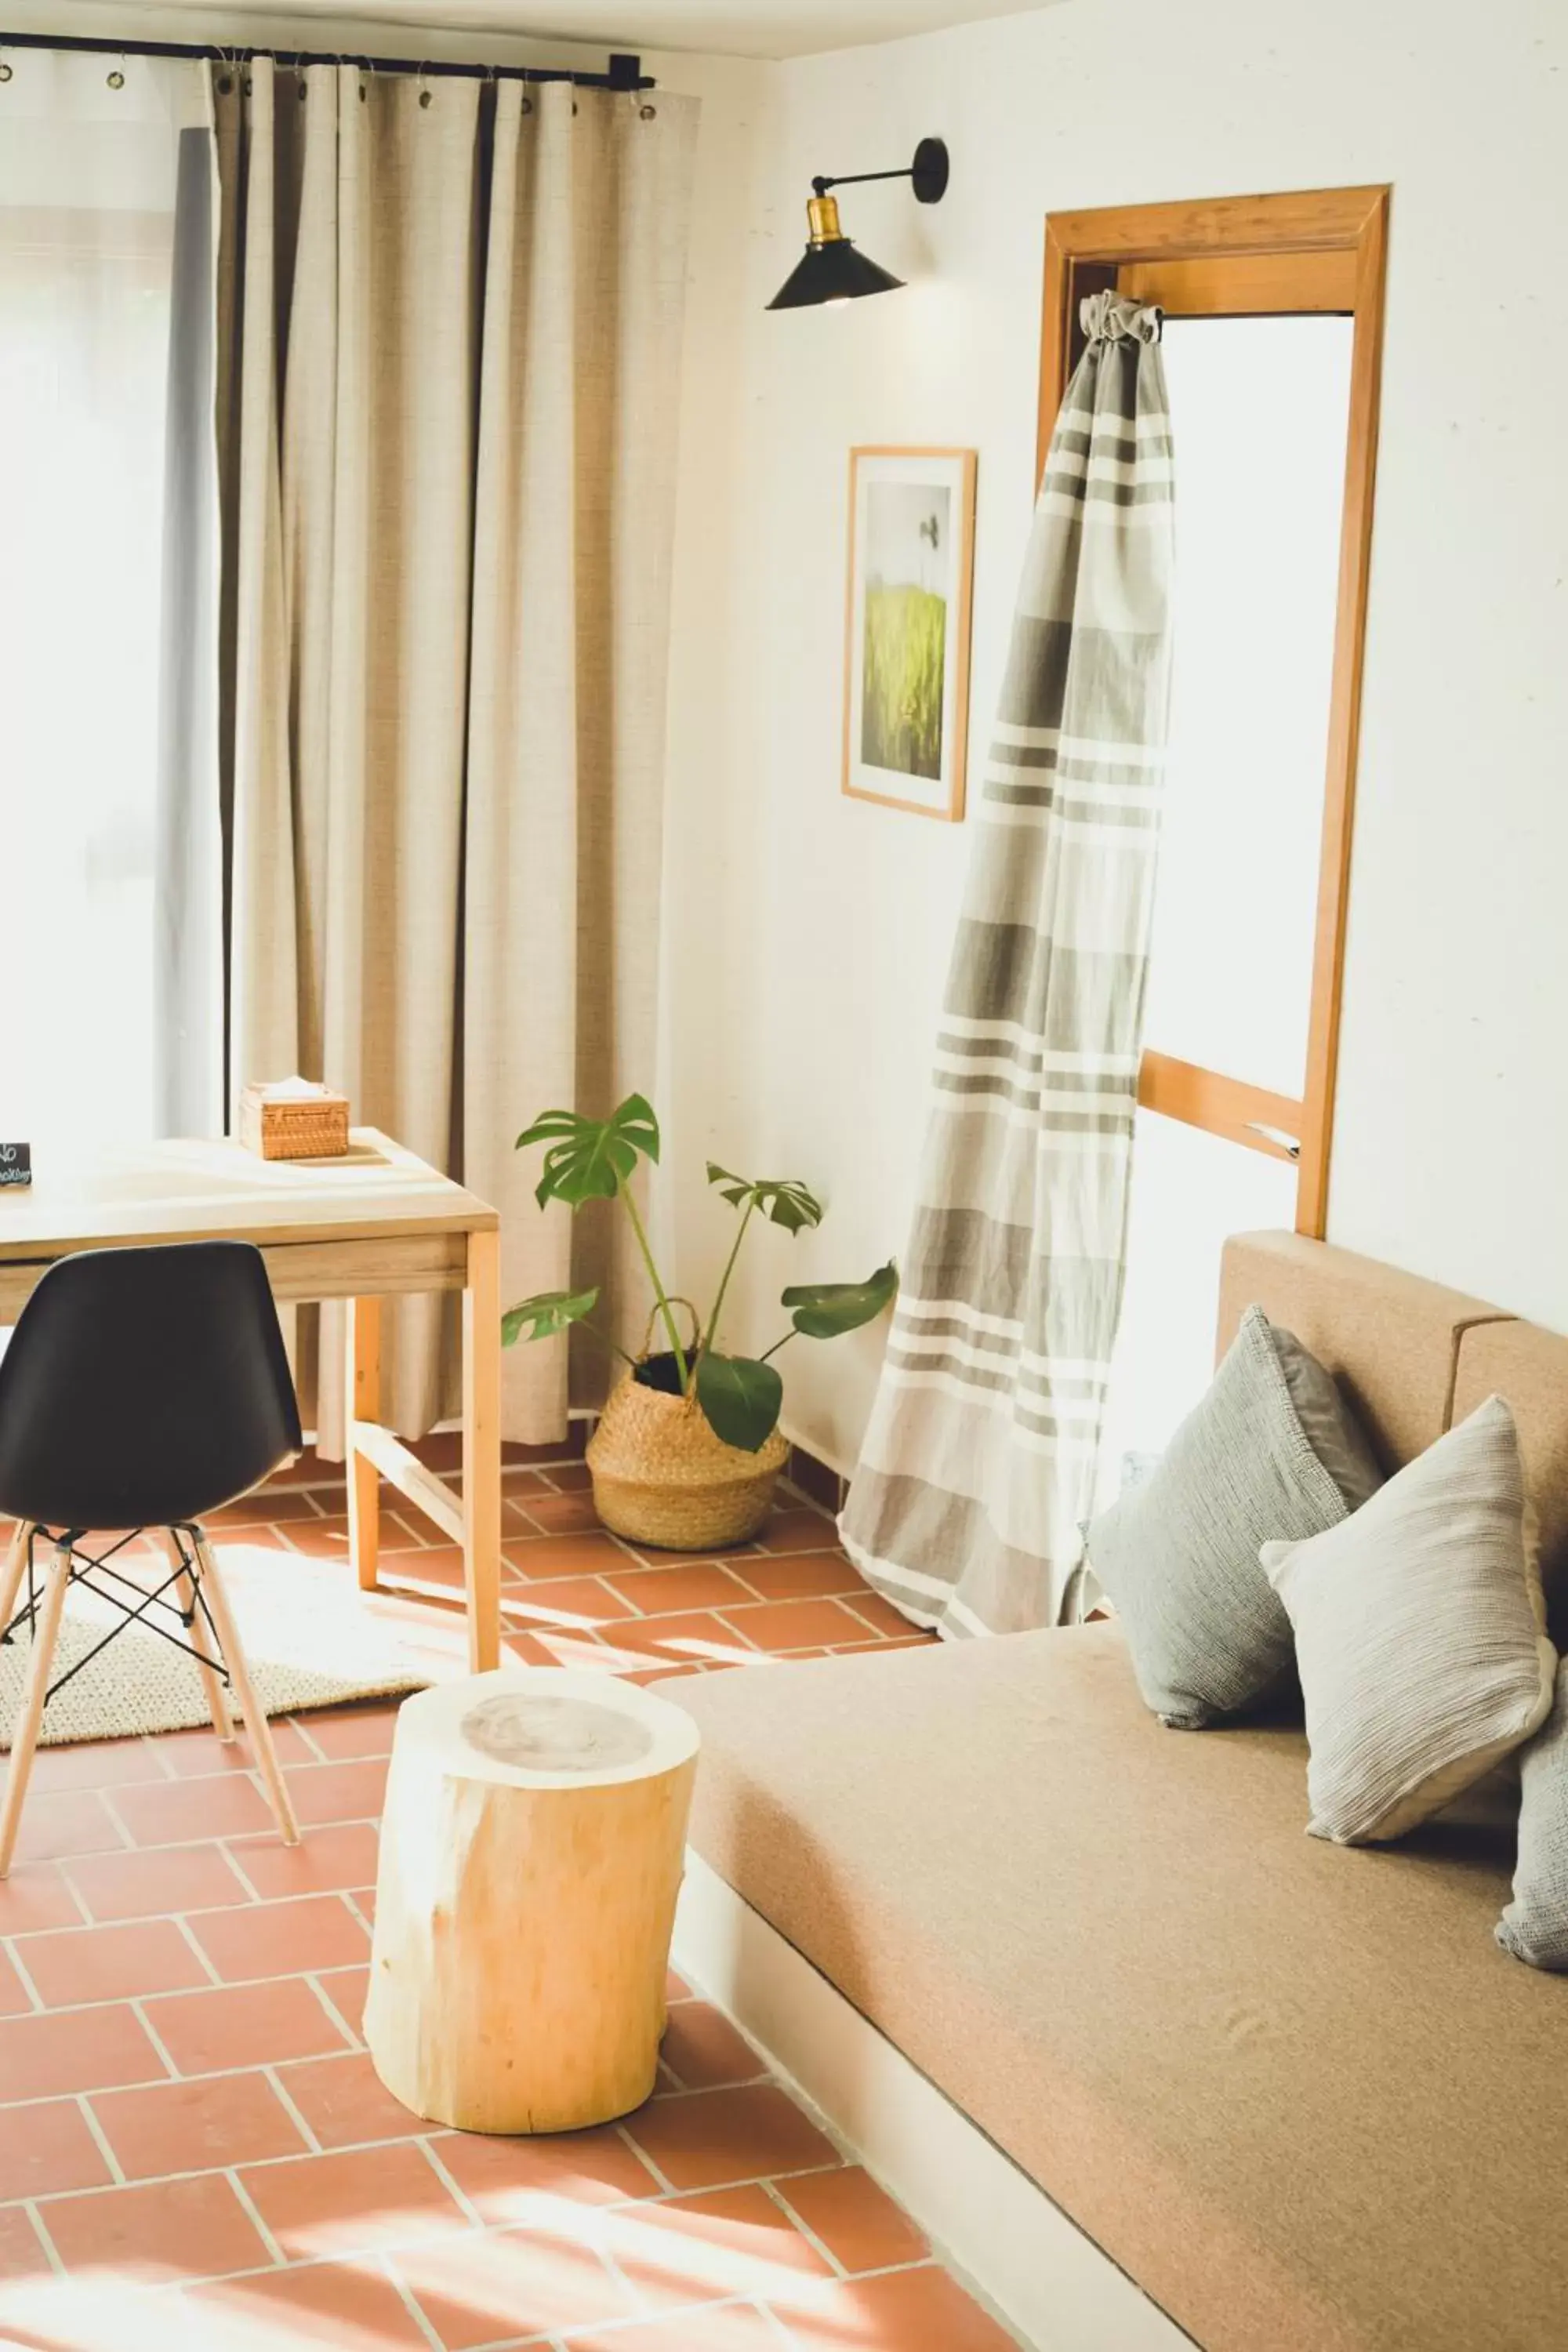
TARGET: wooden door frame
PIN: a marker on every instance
(1315, 249)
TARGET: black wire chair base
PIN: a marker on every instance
(85, 1566)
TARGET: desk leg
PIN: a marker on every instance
(481, 1449)
(361, 1401)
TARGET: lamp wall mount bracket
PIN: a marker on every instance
(928, 175)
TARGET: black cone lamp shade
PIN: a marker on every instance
(832, 269)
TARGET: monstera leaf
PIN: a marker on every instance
(591, 1159)
(780, 1198)
(825, 1311)
(546, 1315)
(741, 1397)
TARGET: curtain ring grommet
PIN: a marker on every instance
(225, 85)
(647, 113)
(527, 106)
(5, 70)
(116, 80)
(423, 97)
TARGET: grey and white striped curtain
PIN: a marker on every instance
(978, 1464)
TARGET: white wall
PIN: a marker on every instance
(809, 933)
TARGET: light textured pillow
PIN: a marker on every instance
(1419, 1635)
(1178, 1554)
(1534, 1927)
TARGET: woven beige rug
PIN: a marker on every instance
(311, 1638)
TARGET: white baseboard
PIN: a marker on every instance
(1035, 2269)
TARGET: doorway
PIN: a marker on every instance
(1273, 313)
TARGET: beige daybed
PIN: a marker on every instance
(1297, 2092)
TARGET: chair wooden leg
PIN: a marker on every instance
(212, 1681)
(15, 1568)
(251, 1708)
(25, 1738)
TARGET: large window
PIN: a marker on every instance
(88, 174)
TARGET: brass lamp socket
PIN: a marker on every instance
(822, 218)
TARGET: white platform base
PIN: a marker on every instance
(1035, 2269)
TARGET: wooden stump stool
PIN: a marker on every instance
(531, 1855)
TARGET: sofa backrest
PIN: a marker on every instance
(1412, 1357)
(1530, 1366)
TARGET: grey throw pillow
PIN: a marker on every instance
(1178, 1555)
(1419, 1635)
(1534, 1928)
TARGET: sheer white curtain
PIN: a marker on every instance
(89, 179)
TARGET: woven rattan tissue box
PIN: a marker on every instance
(293, 1119)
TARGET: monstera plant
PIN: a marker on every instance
(741, 1396)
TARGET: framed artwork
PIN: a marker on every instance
(906, 684)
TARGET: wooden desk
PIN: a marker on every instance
(373, 1224)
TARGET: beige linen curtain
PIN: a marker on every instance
(449, 329)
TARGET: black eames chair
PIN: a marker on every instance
(143, 1388)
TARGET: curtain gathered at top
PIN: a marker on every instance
(978, 1464)
(448, 333)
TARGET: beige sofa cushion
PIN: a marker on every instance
(1295, 2090)
(1419, 1635)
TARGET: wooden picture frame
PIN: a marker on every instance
(1305, 251)
(910, 548)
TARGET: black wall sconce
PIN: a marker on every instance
(830, 269)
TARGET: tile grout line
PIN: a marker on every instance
(387, 2269)
(349, 1898)
(773, 2190)
(666, 2186)
(588, 2214)
(231, 2174)
(128, 1842)
(183, 1927)
(174, 1993)
(307, 1736)
(62, 1871)
(138, 2010)
(47, 2243)
(102, 2139)
(356, 2039)
(460, 2195)
(24, 1975)
(162, 2082)
(272, 2073)
(239, 1869)
(149, 1741)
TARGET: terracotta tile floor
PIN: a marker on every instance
(194, 2151)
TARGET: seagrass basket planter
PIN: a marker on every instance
(661, 1477)
(692, 1471)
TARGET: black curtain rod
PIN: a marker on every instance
(625, 72)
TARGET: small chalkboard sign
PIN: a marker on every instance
(15, 1163)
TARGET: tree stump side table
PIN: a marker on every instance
(531, 1852)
